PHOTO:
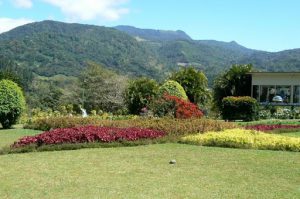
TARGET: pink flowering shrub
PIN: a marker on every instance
(265, 127)
(88, 134)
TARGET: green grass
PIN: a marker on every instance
(7, 137)
(144, 172)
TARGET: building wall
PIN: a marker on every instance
(286, 85)
(275, 79)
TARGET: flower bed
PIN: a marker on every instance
(266, 128)
(88, 134)
(177, 127)
(247, 139)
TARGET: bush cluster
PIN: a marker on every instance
(184, 109)
(167, 125)
(88, 134)
(239, 108)
(247, 139)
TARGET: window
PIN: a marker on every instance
(267, 93)
(284, 92)
(296, 98)
(255, 92)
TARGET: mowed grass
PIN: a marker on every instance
(144, 172)
(7, 137)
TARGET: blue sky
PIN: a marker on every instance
(271, 25)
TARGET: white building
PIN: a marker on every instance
(266, 85)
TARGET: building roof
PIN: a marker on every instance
(275, 73)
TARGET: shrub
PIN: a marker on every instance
(88, 134)
(184, 109)
(172, 88)
(139, 93)
(167, 125)
(12, 103)
(239, 108)
(175, 107)
(241, 138)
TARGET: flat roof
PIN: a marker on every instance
(298, 72)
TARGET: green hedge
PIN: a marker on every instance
(239, 108)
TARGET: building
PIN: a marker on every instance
(266, 85)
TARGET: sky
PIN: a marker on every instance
(270, 25)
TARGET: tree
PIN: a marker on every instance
(172, 88)
(195, 85)
(139, 93)
(234, 82)
(102, 89)
(12, 103)
(11, 71)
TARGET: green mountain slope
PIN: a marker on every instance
(51, 48)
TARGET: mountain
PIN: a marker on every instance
(50, 48)
(154, 35)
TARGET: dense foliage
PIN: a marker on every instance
(12, 103)
(239, 108)
(195, 85)
(247, 139)
(234, 82)
(172, 88)
(88, 134)
(139, 93)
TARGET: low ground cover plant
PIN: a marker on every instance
(170, 126)
(88, 134)
(271, 127)
(243, 138)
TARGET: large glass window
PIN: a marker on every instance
(267, 93)
(255, 91)
(284, 92)
(296, 97)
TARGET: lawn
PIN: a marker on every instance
(7, 137)
(144, 172)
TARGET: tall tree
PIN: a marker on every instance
(102, 89)
(234, 82)
(195, 85)
(139, 93)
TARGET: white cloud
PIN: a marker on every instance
(22, 3)
(7, 24)
(91, 9)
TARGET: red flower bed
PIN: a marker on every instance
(265, 127)
(88, 134)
